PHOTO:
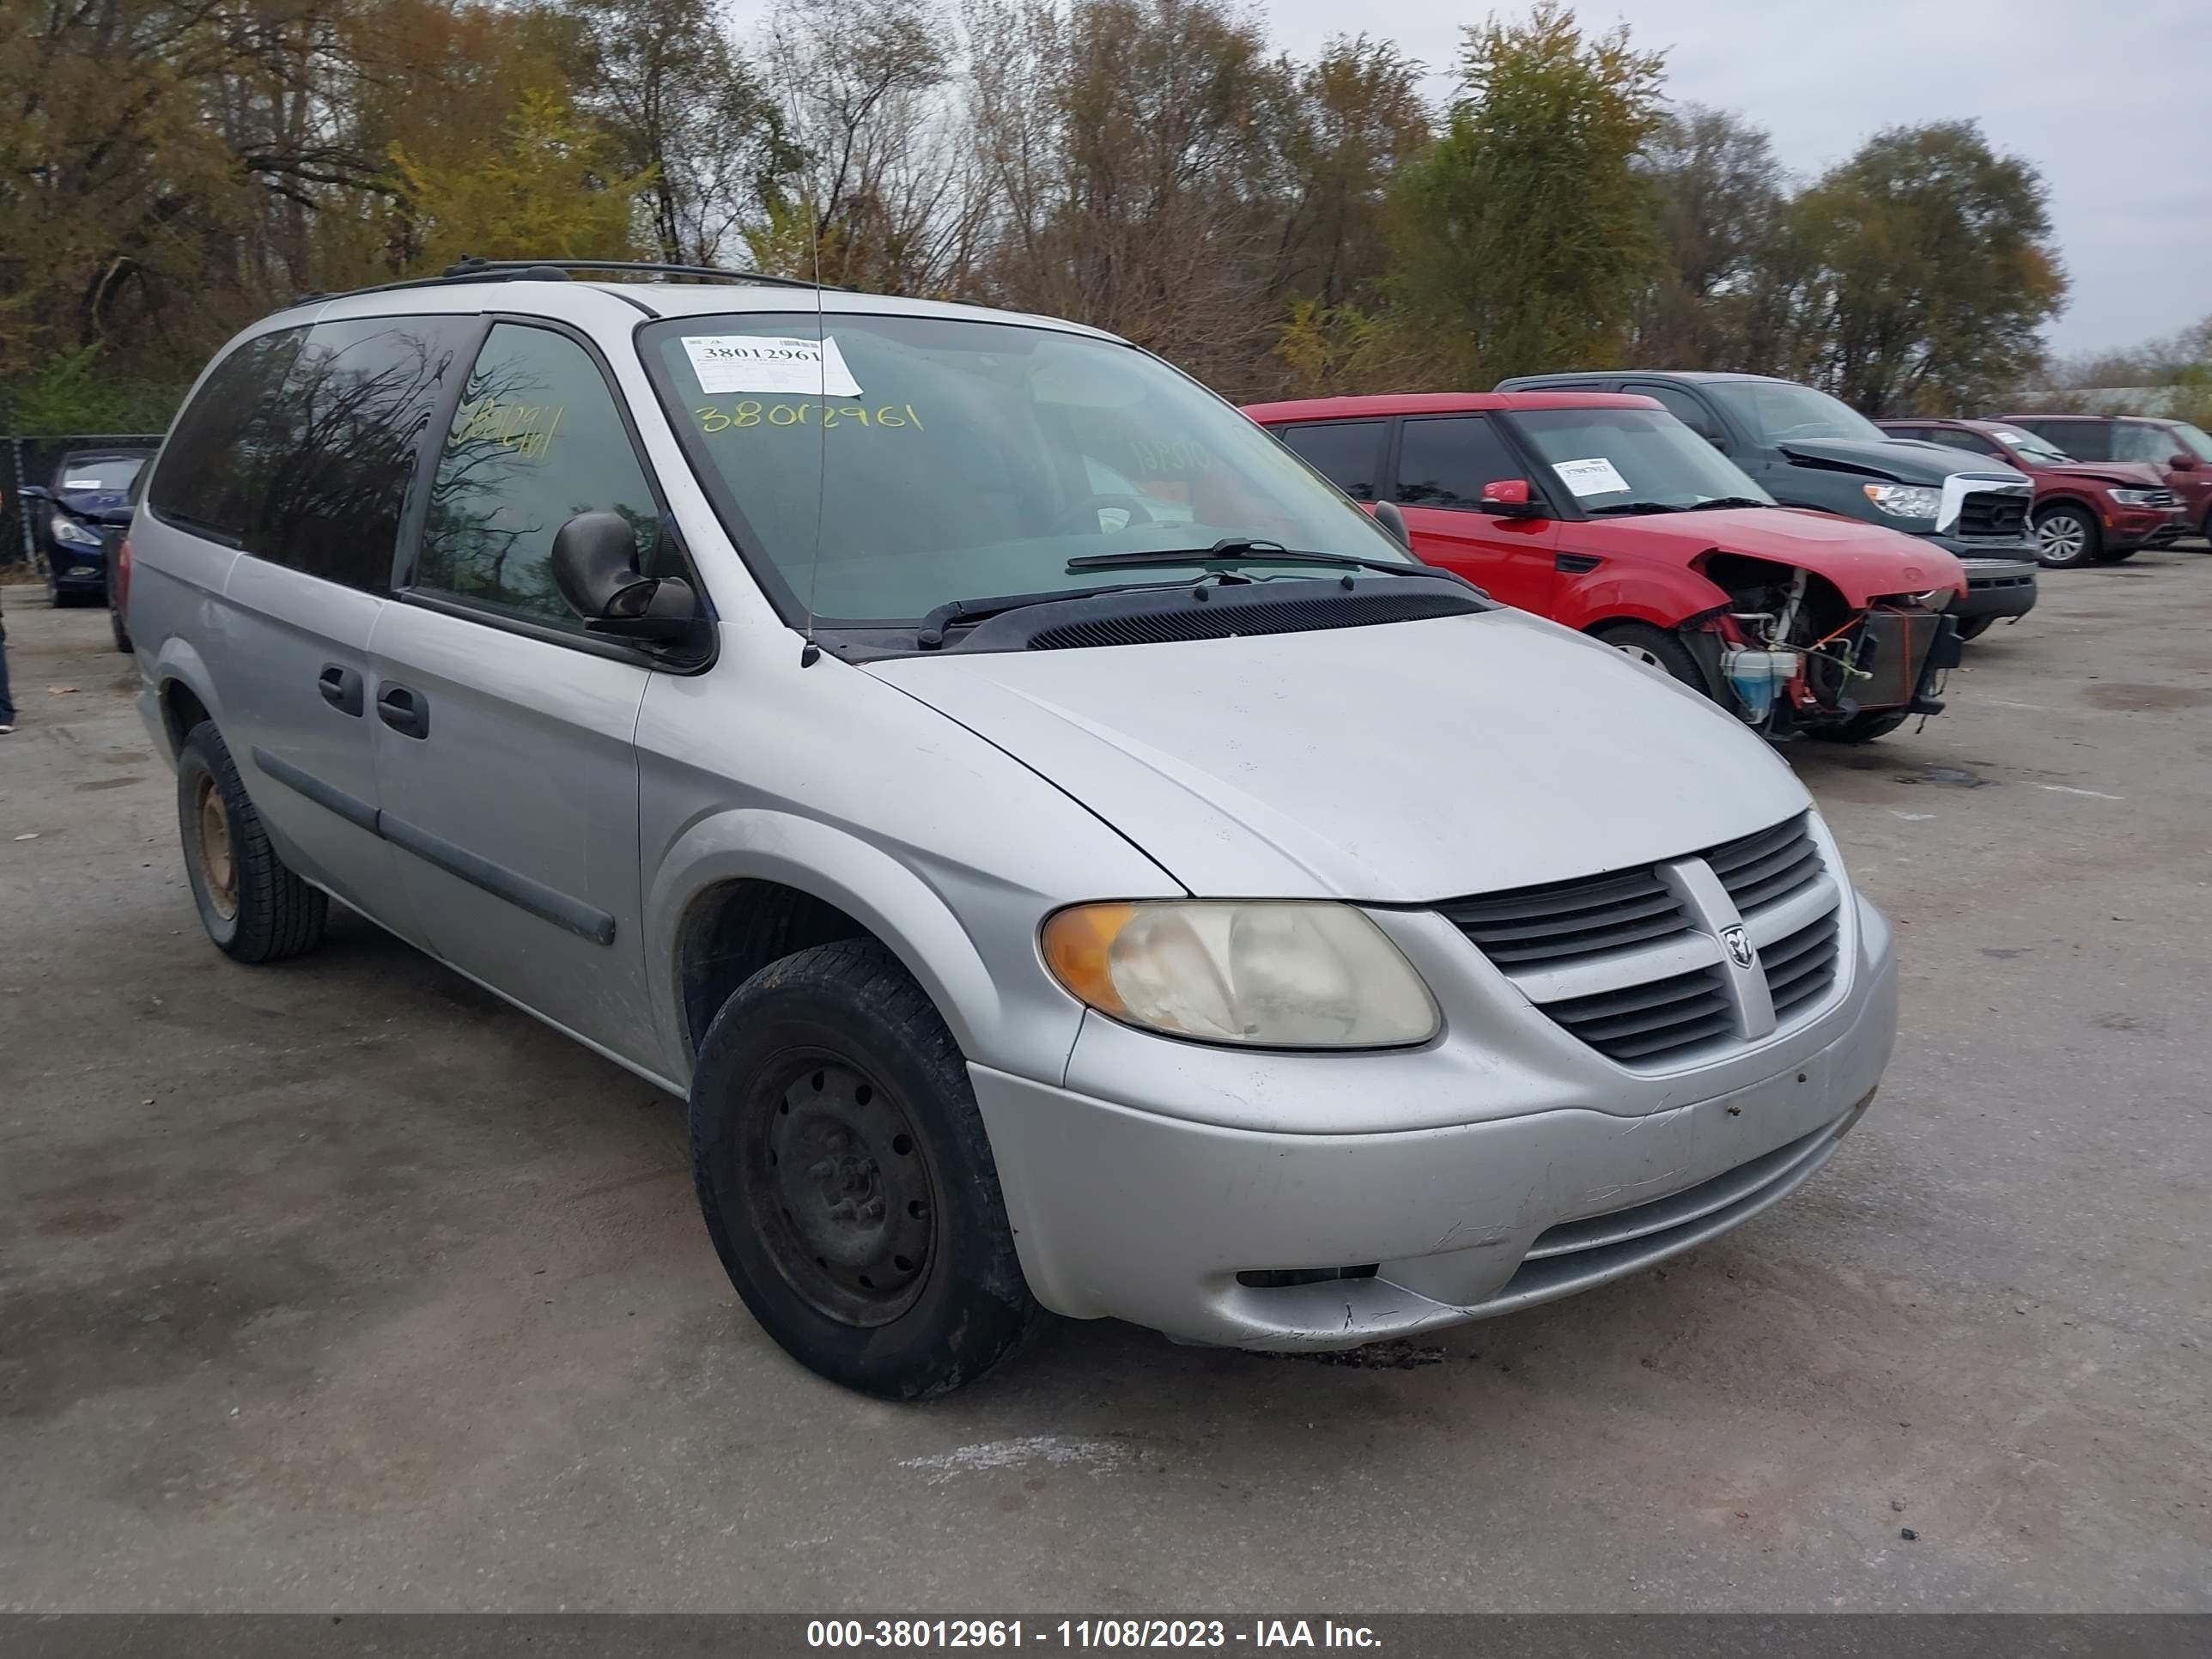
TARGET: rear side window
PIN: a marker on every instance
(342, 438)
(1445, 461)
(207, 479)
(1959, 438)
(1348, 454)
(538, 439)
(2085, 440)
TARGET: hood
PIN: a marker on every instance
(1395, 764)
(1863, 561)
(1898, 460)
(2118, 475)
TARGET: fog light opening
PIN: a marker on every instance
(1280, 1279)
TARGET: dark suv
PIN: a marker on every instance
(2181, 452)
(1809, 449)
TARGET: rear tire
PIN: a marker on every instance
(2066, 538)
(1861, 728)
(846, 1181)
(1655, 649)
(116, 627)
(252, 907)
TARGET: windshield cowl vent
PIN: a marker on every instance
(1218, 614)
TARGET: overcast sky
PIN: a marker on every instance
(2113, 102)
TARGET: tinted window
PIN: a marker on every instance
(538, 439)
(341, 442)
(1683, 406)
(1349, 453)
(1445, 461)
(209, 477)
(1959, 438)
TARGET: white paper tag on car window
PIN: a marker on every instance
(81, 483)
(1595, 477)
(775, 364)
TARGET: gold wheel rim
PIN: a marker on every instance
(218, 862)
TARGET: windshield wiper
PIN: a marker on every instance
(1244, 549)
(1725, 501)
(1625, 509)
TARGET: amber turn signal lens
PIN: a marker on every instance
(1076, 946)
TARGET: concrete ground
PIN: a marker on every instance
(339, 1286)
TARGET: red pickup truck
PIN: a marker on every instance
(1603, 512)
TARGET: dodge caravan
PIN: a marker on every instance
(1067, 855)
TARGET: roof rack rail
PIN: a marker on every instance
(556, 270)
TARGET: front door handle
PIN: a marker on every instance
(341, 687)
(404, 711)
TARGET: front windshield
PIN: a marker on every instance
(2028, 447)
(2194, 437)
(1776, 411)
(1610, 459)
(953, 460)
(103, 473)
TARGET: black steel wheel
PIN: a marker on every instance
(846, 1181)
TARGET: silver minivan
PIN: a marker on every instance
(1068, 856)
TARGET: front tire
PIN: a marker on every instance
(1974, 627)
(846, 1181)
(252, 907)
(2066, 538)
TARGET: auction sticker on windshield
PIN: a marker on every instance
(770, 363)
(1595, 477)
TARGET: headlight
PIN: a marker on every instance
(1905, 501)
(2135, 497)
(70, 533)
(1276, 976)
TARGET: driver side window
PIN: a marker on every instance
(537, 440)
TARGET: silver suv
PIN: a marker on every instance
(1067, 855)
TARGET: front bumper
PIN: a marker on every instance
(2127, 528)
(1141, 1212)
(78, 569)
(1997, 586)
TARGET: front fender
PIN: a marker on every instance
(1663, 598)
(1019, 1021)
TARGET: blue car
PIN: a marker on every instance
(88, 508)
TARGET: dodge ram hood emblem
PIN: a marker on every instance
(1738, 945)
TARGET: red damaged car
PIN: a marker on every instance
(1603, 512)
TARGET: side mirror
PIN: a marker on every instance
(1508, 498)
(2182, 463)
(1717, 439)
(595, 568)
(1388, 515)
(35, 493)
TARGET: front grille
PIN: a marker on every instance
(1800, 967)
(1546, 925)
(1646, 1023)
(1630, 962)
(1990, 515)
(1770, 865)
(2161, 498)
